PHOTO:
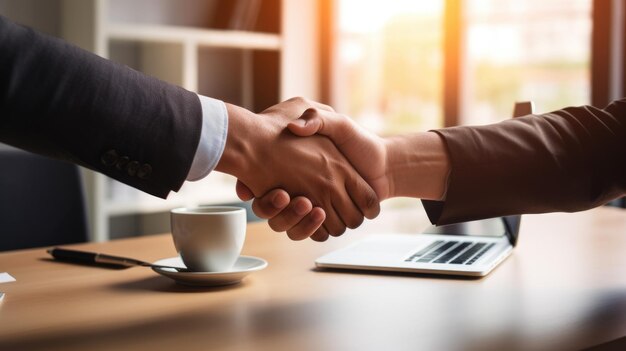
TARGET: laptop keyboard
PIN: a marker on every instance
(452, 251)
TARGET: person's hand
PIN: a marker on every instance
(366, 151)
(363, 149)
(295, 216)
(298, 217)
(264, 156)
(413, 165)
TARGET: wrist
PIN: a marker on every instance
(417, 166)
(237, 152)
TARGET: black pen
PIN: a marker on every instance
(94, 258)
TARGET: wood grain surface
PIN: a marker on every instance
(563, 288)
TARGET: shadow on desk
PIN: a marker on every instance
(205, 327)
(82, 264)
(615, 345)
(163, 284)
(396, 274)
(156, 283)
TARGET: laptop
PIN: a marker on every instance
(469, 248)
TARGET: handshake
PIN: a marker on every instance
(313, 172)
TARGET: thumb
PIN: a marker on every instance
(243, 192)
(306, 125)
(337, 127)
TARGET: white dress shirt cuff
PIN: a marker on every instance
(212, 138)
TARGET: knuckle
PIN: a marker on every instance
(326, 189)
(338, 231)
(293, 216)
(320, 238)
(355, 222)
(259, 209)
(299, 99)
(276, 225)
(295, 235)
(371, 200)
(330, 183)
(320, 235)
(312, 112)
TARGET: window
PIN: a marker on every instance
(388, 60)
(535, 50)
(387, 69)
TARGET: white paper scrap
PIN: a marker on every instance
(6, 278)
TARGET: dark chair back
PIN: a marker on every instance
(41, 201)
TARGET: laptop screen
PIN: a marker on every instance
(495, 227)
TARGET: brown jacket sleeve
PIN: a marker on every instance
(567, 160)
(67, 103)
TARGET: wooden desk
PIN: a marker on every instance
(563, 288)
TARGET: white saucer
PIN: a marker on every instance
(244, 266)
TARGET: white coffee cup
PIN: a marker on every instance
(209, 238)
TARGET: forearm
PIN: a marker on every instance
(568, 160)
(417, 166)
(59, 100)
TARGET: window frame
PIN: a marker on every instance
(608, 64)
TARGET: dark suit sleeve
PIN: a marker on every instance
(565, 161)
(67, 103)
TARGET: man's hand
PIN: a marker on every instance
(264, 155)
(365, 151)
(413, 165)
(297, 217)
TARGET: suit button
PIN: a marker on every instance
(122, 162)
(109, 158)
(132, 168)
(144, 171)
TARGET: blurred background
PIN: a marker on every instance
(395, 66)
(389, 61)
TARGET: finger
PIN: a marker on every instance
(349, 213)
(333, 223)
(337, 127)
(363, 196)
(323, 106)
(304, 127)
(243, 192)
(320, 235)
(308, 225)
(291, 215)
(270, 204)
(298, 104)
(306, 103)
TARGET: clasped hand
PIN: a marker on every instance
(306, 184)
(303, 185)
